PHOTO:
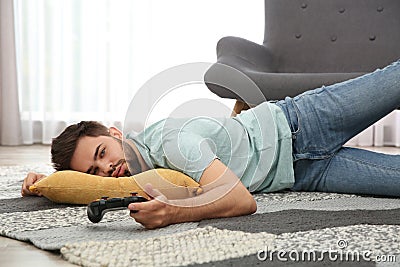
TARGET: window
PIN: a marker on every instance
(85, 59)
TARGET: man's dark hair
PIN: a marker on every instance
(64, 145)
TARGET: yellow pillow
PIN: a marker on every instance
(74, 187)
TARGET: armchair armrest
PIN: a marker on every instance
(241, 53)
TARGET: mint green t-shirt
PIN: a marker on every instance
(256, 145)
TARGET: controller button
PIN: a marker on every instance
(95, 204)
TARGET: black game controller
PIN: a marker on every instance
(98, 208)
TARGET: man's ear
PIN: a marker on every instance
(114, 132)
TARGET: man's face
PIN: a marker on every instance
(102, 155)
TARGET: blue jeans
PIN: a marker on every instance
(324, 119)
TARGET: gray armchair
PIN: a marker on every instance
(311, 43)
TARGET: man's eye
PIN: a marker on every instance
(103, 151)
(96, 170)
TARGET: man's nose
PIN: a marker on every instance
(106, 168)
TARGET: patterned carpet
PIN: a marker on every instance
(295, 229)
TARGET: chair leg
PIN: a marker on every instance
(239, 106)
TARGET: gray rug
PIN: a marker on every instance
(295, 229)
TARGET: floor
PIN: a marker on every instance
(14, 253)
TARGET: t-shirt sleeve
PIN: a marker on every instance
(186, 152)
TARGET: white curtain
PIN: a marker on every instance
(10, 126)
(74, 63)
(85, 59)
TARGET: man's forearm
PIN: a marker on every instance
(223, 196)
(222, 201)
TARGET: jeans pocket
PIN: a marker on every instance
(294, 118)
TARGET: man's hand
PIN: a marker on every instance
(154, 213)
(29, 180)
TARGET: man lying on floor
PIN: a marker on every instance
(296, 143)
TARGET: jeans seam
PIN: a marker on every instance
(368, 163)
(325, 172)
(312, 156)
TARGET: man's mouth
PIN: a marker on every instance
(119, 171)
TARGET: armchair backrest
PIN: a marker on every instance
(332, 35)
